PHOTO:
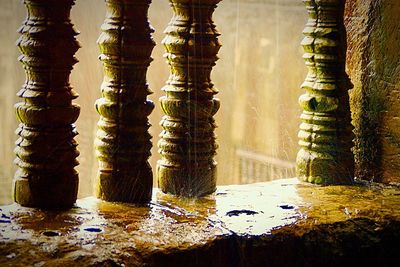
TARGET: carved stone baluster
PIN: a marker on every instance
(187, 144)
(325, 133)
(123, 142)
(46, 150)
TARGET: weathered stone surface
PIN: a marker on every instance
(187, 145)
(123, 141)
(281, 223)
(373, 62)
(46, 150)
(325, 135)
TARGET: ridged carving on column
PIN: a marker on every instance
(187, 144)
(325, 133)
(123, 142)
(46, 150)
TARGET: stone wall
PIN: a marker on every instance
(373, 62)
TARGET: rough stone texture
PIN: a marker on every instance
(373, 62)
(122, 141)
(46, 151)
(188, 143)
(281, 223)
(325, 135)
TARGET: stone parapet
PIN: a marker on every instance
(279, 223)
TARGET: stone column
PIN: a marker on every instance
(325, 133)
(123, 142)
(187, 144)
(46, 150)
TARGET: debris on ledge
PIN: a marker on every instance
(279, 223)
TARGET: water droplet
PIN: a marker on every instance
(93, 229)
(51, 233)
(286, 206)
(240, 212)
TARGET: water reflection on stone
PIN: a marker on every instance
(96, 231)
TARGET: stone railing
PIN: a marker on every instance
(46, 150)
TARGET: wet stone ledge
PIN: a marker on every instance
(279, 223)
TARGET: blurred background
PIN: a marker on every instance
(258, 75)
